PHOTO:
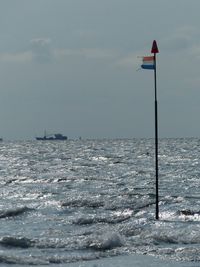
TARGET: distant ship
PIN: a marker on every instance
(53, 137)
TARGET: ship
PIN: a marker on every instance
(53, 137)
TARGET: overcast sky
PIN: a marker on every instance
(71, 66)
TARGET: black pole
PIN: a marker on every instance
(156, 140)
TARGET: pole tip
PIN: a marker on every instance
(154, 48)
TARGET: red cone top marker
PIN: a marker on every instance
(154, 48)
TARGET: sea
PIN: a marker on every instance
(76, 201)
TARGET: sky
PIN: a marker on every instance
(73, 66)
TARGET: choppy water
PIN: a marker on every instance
(81, 200)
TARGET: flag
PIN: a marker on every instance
(148, 63)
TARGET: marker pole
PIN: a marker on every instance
(154, 50)
(156, 141)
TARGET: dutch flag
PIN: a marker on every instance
(148, 63)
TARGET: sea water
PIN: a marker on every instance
(82, 200)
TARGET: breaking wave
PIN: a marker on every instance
(107, 242)
(107, 219)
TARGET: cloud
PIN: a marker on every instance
(86, 34)
(177, 43)
(194, 52)
(88, 53)
(181, 39)
(130, 60)
(41, 50)
(16, 57)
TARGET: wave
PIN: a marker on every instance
(22, 261)
(95, 219)
(21, 242)
(188, 212)
(14, 212)
(90, 203)
(136, 206)
(47, 260)
(107, 242)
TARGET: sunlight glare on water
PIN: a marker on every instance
(89, 199)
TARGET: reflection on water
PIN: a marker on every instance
(80, 200)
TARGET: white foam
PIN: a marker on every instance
(107, 241)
